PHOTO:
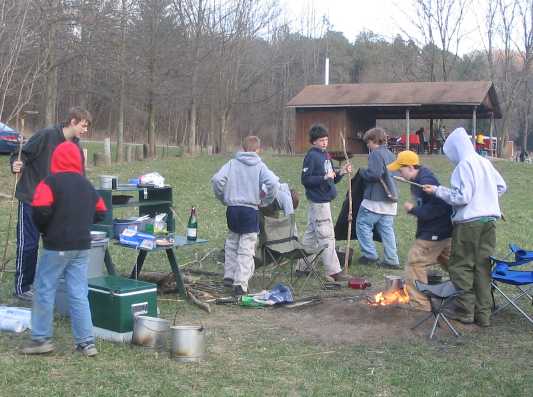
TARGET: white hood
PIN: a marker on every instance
(458, 146)
(475, 184)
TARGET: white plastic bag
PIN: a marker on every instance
(152, 178)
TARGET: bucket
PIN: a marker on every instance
(393, 283)
(188, 343)
(108, 182)
(150, 332)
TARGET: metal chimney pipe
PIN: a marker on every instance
(326, 77)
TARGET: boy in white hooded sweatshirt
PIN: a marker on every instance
(474, 192)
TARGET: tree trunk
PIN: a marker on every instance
(51, 73)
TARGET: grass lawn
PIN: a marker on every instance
(250, 352)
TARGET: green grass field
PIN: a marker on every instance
(252, 354)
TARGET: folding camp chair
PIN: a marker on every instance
(440, 296)
(503, 272)
(521, 255)
(278, 244)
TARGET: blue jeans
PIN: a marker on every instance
(72, 265)
(364, 225)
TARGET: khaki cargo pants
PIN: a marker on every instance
(423, 254)
(320, 232)
(470, 267)
(239, 251)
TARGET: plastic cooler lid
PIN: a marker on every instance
(119, 285)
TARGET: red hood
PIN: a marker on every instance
(66, 158)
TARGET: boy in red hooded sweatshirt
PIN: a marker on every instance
(64, 207)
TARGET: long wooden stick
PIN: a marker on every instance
(349, 237)
(10, 220)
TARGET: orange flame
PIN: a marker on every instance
(398, 296)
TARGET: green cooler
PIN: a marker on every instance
(116, 300)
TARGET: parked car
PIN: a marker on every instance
(8, 139)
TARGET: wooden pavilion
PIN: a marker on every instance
(351, 109)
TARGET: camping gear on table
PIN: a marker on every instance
(108, 182)
(134, 223)
(137, 239)
(115, 301)
(150, 332)
(187, 343)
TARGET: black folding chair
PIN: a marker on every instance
(440, 296)
(278, 245)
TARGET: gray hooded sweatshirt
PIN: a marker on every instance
(475, 183)
(239, 181)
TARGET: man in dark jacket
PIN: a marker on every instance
(433, 228)
(34, 166)
(65, 205)
(379, 206)
(319, 179)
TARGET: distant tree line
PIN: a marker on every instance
(204, 73)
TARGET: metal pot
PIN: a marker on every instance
(150, 332)
(393, 283)
(108, 182)
(187, 343)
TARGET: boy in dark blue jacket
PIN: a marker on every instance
(319, 179)
(433, 227)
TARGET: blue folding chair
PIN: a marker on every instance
(521, 255)
(503, 272)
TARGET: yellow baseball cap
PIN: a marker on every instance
(404, 158)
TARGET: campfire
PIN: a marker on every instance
(390, 297)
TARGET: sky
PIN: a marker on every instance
(385, 17)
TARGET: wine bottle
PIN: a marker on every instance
(192, 226)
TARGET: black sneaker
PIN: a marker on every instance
(238, 291)
(228, 282)
(88, 349)
(388, 265)
(363, 260)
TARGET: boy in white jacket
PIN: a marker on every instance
(473, 194)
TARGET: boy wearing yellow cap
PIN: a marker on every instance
(433, 228)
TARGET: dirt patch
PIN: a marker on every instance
(334, 321)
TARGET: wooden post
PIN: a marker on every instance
(408, 127)
(85, 154)
(98, 159)
(139, 152)
(474, 125)
(129, 152)
(491, 132)
(146, 151)
(107, 151)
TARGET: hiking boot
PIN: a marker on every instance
(228, 282)
(26, 296)
(363, 260)
(482, 321)
(340, 276)
(301, 273)
(88, 349)
(238, 291)
(38, 347)
(387, 265)
(458, 315)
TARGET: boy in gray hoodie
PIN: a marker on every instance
(238, 185)
(475, 187)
